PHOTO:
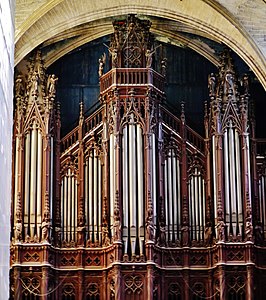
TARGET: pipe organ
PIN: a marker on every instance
(133, 203)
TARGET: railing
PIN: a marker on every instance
(195, 139)
(131, 77)
(90, 123)
(171, 120)
(174, 123)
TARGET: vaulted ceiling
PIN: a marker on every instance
(60, 26)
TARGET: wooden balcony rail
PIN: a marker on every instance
(131, 77)
(195, 139)
(90, 123)
(171, 120)
(70, 139)
(174, 123)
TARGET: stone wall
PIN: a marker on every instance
(6, 117)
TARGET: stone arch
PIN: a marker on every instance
(210, 18)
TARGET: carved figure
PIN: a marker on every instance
(162, 237)
(105, 237)
(229, 83)
(52, 79)
(117, 228)
(102, 61)
(18, 230)
(185, 235)
(45, 229)
(149, 53)
(249, 229)
(220, 230)
(212, 84)
(150, 228)
(35, 82)
(80, 235)
(208, 234)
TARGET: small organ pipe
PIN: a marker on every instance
(153, 155)
(132, 172)
(51, 176)
(90, 194)
(170, 198)
(238, 179)
(73, 205)
(214, 172)
(86, 191)
(232, 171)
(226, 175)
(196, 200)
(99, 222)
(33, 158)
(140, 175)
(112, 177)
(27, 175)
(125, 176)
(178, 183)
(39, 178)
(174, 194)
(95, 192)
(63, 204)
(166, 198)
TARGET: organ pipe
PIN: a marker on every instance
(33, 158)
(132, 177)
(140, 176)
(27, 178)
(39, 177)
(125, 177)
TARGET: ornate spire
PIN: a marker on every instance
(130, 41)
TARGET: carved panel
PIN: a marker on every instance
(30, 285)
(133, 284)
(31, 257)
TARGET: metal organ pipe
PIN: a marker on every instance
(95, 194)
(27, 183)
(226, 176)
(125, 182)
(99, 200)
(238, 180)
(69, 198)
(175, 198)
(172, 196)
(153, 179)
(232, 171)
(73, 207)
(90, 199)
(39, 179)
(33, 177)
(112, 177)
(132, 180)
(214, 172)
(140, 184)
(51, 176)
